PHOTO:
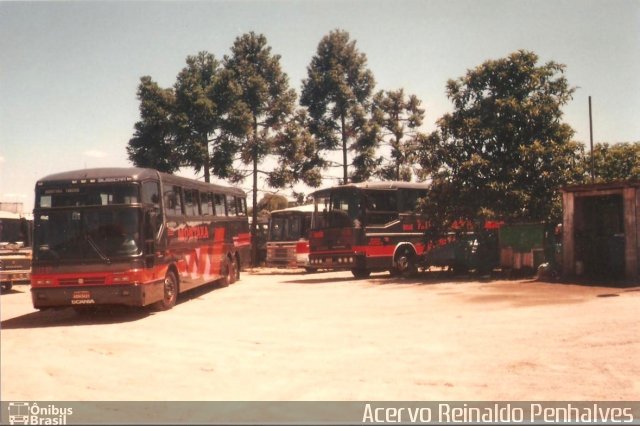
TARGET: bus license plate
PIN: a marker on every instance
(81, 295)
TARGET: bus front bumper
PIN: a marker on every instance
(337, 261)
(128, 295)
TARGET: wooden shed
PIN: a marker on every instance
(601, 231)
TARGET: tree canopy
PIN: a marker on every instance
(398, 118)
(504, 152)
(615, 162)
(337, 93)
(153, 143)
(201, 118)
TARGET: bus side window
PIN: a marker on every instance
(151, 193)
(191, 202)
(242, 206)
(206, 203)
(173, 201)
(410, 200)
(231, 206)
(219, 205)
(382, 207)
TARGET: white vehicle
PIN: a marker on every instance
(16, 232)
(288, 239)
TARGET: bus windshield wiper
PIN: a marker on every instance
(95, 247)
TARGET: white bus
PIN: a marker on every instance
(288, 238)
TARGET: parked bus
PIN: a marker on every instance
(133, 236)
(288, 239)
(367, 227)
(15, 248)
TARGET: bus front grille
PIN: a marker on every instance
(82, 281)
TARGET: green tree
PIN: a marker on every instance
(399, 117)
(615, 162)
(153, 143)
(264, 98)
(194, 124)
(201, 117)
(504, 152)
(337, 93)
(297, 154)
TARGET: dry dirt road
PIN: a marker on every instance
(277, 335)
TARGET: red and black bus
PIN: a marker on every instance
(133, 236)
(368, 227)
(288, 239)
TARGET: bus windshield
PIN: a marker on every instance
(87, 234)
(73, 195)
(285, 227)
(14, 231)
(338, 209)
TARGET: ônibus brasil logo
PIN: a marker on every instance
(26, 413)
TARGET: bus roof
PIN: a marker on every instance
(135, 174)
(300, 209)
(376, 185)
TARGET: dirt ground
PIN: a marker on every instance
(278, 335)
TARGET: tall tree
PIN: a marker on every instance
(504, 151)
(337, 93)
(195, 123)
(153, 143)
(205, 119)
(399, 117)
(264, 97)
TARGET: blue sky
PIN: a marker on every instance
(69, 70)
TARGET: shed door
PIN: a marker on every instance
(600, 237)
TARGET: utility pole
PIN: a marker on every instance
(593, 176)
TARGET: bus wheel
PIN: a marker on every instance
(406, 263)
(7, 286)
(360, 273)
(170, 293)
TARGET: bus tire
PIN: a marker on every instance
(170, 288)
(7, 286)
(360, 273)
(227, 273)
(406, 263)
